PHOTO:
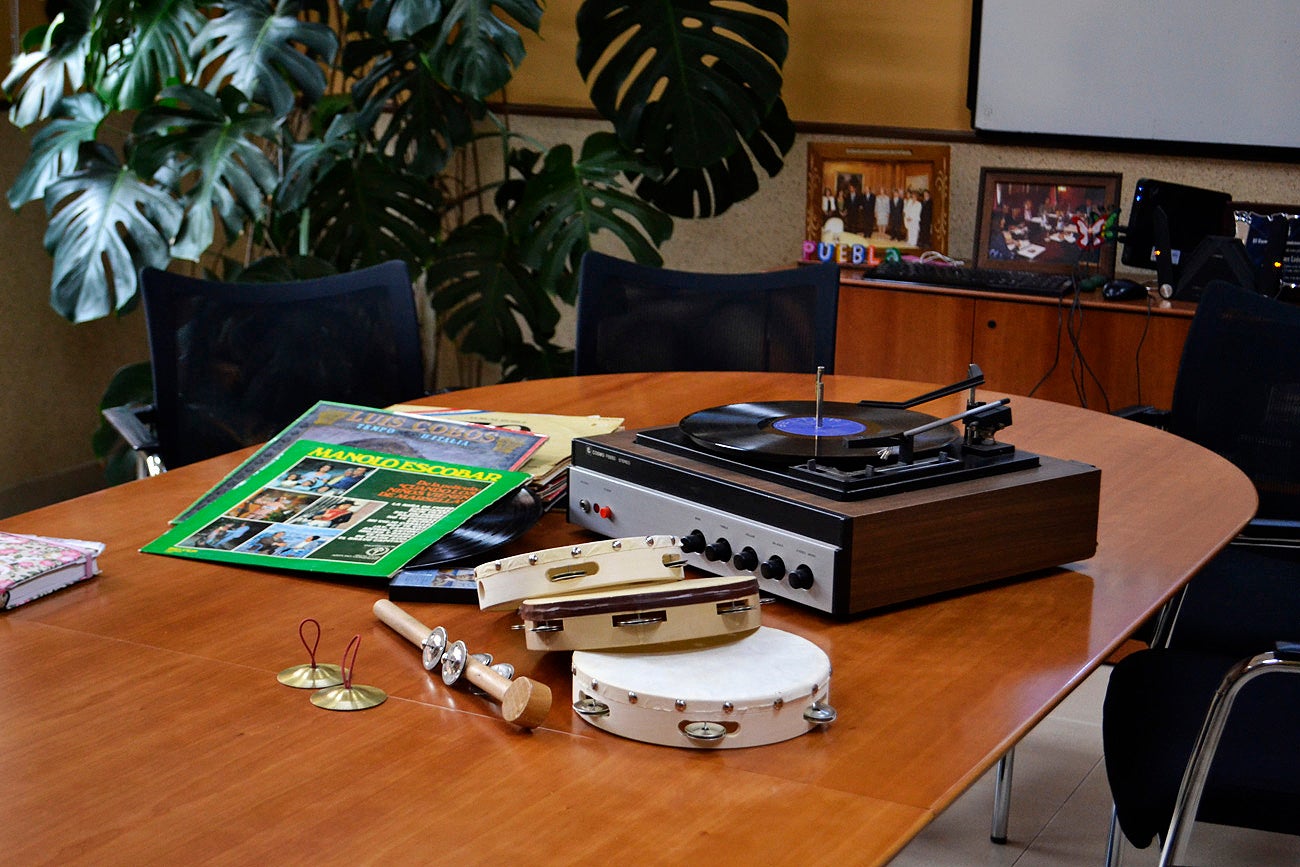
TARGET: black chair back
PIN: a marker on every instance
(1237, 394)
(1238, 391)
(634, 318)
(235, 363)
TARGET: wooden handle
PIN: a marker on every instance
(403, 623)
(524, 701)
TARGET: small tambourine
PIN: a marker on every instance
(503, 584)
(767, 687)
(643, 615)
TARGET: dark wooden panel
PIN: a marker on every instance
(903, 335)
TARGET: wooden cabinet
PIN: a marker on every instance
(1100, 354)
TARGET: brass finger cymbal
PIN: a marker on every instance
(347, 695)
(310, 675)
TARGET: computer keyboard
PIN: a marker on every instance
(967, 277)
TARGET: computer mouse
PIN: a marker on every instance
(1120, 289)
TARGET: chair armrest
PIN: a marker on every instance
(1147, 415)
(1287, 650)
(131, 424)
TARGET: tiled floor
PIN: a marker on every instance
(1060, 808)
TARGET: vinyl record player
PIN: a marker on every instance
(842, 507)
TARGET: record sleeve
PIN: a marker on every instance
(444, 572)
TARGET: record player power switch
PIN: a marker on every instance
(603, 511)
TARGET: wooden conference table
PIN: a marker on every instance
(142, 722)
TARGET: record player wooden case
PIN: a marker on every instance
(842, 555)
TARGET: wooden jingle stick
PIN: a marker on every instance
(524, 701)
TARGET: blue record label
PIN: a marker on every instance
(830, 427)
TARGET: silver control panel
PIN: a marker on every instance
(787, 565)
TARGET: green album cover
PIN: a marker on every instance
(321, 507)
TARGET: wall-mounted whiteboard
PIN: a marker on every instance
(1203, 71)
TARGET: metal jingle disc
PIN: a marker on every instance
(453, 662)
(433, 646)
(348, 697)
(307, 676)
(704, 730)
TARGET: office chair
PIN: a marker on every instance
(1200, 726)
(634, 317)
(234, 363)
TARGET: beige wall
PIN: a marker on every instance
(52, 373)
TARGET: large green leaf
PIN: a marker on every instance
(475, 51)
(313, 158)
(75, 120)
(54, 63)
(483, 293)
(155, 54)
(215, 145)
(267, 52)
(683, 80)
(564, 204)
(417, 117)
(710, 191)
(399, 19)
(105, 225)
(368, 211)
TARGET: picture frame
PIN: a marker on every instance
(846, 220)
(1052, 222)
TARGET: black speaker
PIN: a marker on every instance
(1217, 257)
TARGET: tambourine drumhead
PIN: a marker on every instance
(754, 690)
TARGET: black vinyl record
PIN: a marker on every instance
(790, 429)
(496, 525)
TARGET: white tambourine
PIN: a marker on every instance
(578, 568)
(643, 615)
(766, 687)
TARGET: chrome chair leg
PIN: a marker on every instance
(1002, 796)
(1115, 841)
(1179, 836)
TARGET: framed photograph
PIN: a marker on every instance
(877, 196)
(1046, 221)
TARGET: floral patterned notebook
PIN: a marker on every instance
(33, 566)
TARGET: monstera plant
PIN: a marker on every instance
(301, 136)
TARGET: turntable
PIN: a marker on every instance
(842, 507)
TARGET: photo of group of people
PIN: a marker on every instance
(881, 198)
(297, 513)
(1045, 221)
(877, 215)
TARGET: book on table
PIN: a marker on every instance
(324, 507)
(34, 566)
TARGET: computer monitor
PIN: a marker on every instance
(1168, 221)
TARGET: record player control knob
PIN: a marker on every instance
(773, 567)
(801, 577)
(719, 550)
(693, 542)
(746, 560)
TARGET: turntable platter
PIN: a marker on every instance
(791, 429)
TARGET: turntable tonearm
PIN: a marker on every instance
(838, 506)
